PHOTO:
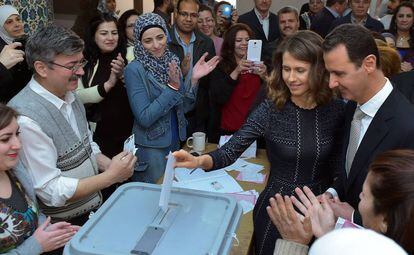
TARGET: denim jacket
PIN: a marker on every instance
(151, 103)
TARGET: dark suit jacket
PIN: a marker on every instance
(250, 19)
(391, 128)
(197, 118)
(404, 82)
(322, 22)
(371, 24)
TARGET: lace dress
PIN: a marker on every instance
(303, 148)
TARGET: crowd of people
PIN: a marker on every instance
(331, 102)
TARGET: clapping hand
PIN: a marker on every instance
(174, 75)
(54, 236)
(288, 221)
(320, 213)
(185, 64)
(202, 68)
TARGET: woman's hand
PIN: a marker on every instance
(234, 16)
(260, 69)
(54, 236)
(288, 221)
(10, 56)
(185, 159)
(174, 75)
(117, 72)
(202, 68)
(321, 214)
(243, 66)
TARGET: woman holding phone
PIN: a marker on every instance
(235, 84)
(13, 64)
(301, 123)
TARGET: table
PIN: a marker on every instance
(245, 230)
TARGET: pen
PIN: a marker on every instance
(193, 170)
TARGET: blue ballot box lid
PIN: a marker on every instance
(131, 222)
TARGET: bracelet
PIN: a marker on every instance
(172, 87)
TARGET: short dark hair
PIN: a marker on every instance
(193, 1)
(6, 115)
(358, 41)
(393, 191)
(288, 9)
(329, 3)
(158, 3)
(304, 46)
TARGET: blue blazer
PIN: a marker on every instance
(152, 102)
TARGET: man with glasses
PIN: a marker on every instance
(66, 166)
(189, 45)
(359, 15)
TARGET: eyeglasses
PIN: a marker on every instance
(73, 68)
(193, 15)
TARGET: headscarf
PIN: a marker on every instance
(157, 67)
(5, 12)
(102, 8)
(352, 241)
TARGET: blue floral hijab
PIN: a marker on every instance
(157, 67)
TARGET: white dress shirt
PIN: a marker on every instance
(264, 21)
(39, 154)
(370, 108)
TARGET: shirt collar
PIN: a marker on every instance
(334, 13)
(177, 35)
(371, 107)
(259, 16)
(56, 101)
(355, 21)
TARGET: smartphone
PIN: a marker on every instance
(21, 40)
(254, 50)
(227, 9)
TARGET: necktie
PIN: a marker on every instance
(354, 135)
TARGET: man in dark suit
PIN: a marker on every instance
(323, 20)
(359, 15)
(404, 82)
(263, 23)
(378, 117)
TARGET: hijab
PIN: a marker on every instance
(5, 12)
(157, 67)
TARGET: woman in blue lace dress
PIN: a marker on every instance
(301, 122)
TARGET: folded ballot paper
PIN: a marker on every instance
(213, 181)
(248, 153)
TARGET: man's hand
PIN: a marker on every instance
(121, 167)
(341, 209)
(287, 221)
(10, 56)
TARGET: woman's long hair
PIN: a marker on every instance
(228, 61)
(304, 46)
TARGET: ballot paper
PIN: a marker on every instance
(167, 183)
(248, 153)
(214, 181)
(247, 199)
(244, 166)
(251, 177)
(129, 144)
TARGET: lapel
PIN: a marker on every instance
(377, 131)
(257, 26)
(273, 27)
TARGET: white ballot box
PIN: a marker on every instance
(131, 222)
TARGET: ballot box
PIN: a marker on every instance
(131, 222)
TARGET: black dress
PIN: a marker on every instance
(303, 148)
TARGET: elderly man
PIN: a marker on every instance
(66, 166)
